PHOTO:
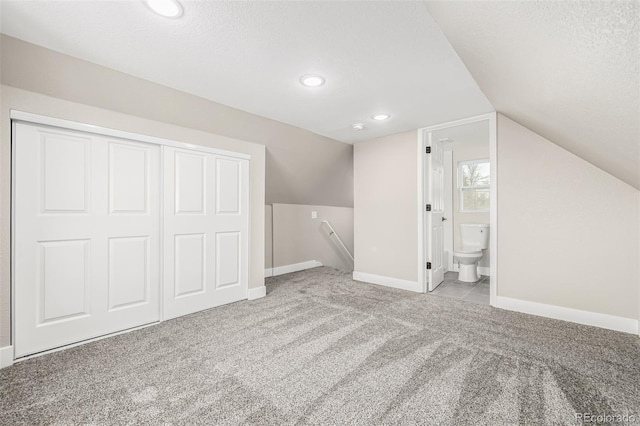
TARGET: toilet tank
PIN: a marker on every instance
(474, 236)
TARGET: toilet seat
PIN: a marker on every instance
(467, 253)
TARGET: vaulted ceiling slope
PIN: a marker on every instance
(377, 57)
(568, 70)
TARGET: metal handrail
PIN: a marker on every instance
(326, 227)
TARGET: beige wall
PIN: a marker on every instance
(301, 167)
(12, 98)
(466, 152)
(298, 238)
(385, 206)
(568, 231)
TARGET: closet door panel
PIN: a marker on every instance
(129, 190)
(129, 275)
(190, 265)
(228, 186)
(63, 286)
(64, 172)
(205, 231)
(131, 232)
(86, 243)
(228, 258)
(190, 183)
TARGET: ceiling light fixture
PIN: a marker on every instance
(166, 8)
(380, 117)
(312, 80)
(357, 126)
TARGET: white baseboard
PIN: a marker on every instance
(482, 270)
(626, 325)
(287, 269)
(268, 272)
(387, 281)
(6, 356)
(257, 292)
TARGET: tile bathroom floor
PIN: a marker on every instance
(451, 288)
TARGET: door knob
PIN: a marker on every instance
(444, 218)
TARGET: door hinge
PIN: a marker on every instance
(428, 150)
(428, 265)
(428, 207)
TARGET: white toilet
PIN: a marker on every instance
(475, 238)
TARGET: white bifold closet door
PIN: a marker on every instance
(86, 243)
(206, 220)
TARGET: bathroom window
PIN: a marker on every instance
(473, 183)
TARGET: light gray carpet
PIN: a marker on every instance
(322, 349)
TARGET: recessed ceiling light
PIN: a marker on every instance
(166, 8)
(312, 80)
(380, 117)
(357, 126)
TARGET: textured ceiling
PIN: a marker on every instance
(376, 56)
(568, 70)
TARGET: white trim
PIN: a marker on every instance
(268, 272)
(493, 207)
(161, 270)
(90, 128)
(626, 325)
(449, 232)
(460, 122)
(388, 281)
(6, 357)
(422, 254)
(257, 292)
(482, 270)
(83, 342)
(287, 269)
(12, 237)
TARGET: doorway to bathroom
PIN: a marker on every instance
(457, 203)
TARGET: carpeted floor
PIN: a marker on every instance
(322, 349)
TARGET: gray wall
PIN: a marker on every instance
(302, 167)
(386, 207)
(568, 231)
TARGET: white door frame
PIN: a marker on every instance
(493, 215)
(434, 219)
(27, 117)
(448, 210)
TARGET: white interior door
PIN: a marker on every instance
(86, 243)
(435, 212)
(448, 210)
(206, 227)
